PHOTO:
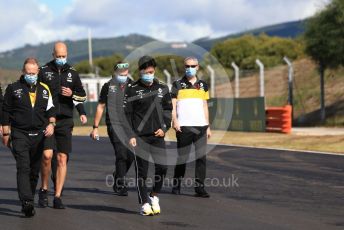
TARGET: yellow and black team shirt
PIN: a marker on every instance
(190, 101)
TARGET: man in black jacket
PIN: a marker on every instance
(29, 111)
(111, 98)
(148, 107)
(1, 102)
(67, 91)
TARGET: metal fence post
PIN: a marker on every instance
(290, 83)
(261, 76)
(212, 81)
(168, 78)
(236, 79)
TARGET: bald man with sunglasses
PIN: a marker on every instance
(190, 118)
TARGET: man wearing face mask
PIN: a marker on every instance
(67, 91)
(111, 95)
(29, 112)
(148, 108)
(190, 119)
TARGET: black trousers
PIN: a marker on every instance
(124, 157)
(154, 147)
(27, 150)
(185, 139)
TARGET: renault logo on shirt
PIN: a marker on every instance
(69, 78)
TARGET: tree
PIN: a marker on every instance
(246, 49)
(324, 38)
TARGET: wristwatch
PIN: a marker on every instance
(52, 123)
(5, 134)
(95, 127)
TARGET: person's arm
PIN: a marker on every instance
(79, 94)
(6, 118)
(167, 114)
(1, 103)
(6, 135)
(206, 112)
(175, 122)
(79, 97)
(97, 119)
(51, 114)
(81, 109)
(100, 109)
(167, 109)
(174, 94)
(128, 111)
(99, 114)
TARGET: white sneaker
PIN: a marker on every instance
(155, 204)
(146, 210)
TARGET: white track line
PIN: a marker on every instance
(279, 149)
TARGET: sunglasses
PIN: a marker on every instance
(190, 66)
(122, 66)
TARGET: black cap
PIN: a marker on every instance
(146, 61)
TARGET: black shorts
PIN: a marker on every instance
(61, 141)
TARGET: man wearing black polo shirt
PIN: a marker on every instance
(111, 98)
(190, 119)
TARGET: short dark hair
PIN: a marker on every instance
(146, 61)
(30, 60)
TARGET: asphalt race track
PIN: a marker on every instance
(252, 189)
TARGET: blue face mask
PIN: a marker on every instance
(121, 79)
(60, 61)
(147, 78)
(190, 72)
(30, 79)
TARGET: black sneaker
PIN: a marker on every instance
(200, 192)
(58, 203)
(28, 209)
(43, 198)
(120, 190)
